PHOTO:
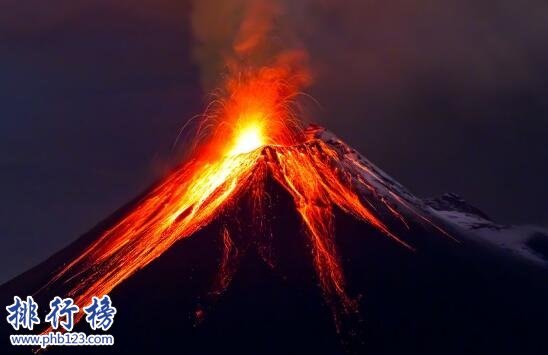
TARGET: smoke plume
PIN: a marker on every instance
(243, 34)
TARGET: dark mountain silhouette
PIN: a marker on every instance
(485, 294)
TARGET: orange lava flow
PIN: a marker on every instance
(253, 135)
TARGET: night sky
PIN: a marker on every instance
(446, 96)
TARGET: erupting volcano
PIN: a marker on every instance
(234, 246)
(255, 137)
(276, 237)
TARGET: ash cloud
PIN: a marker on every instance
(249, 33)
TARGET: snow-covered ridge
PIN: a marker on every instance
(527, 241)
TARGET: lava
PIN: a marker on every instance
(252, 134)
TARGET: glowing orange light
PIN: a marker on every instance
(249, 138)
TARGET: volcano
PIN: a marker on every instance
(301, 248)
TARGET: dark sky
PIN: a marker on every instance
(444, 96)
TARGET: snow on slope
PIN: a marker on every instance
(384, 185)
(527, 241)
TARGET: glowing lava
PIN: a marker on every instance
(248, 139)
(254, 136)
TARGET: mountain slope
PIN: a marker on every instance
(444, 296)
